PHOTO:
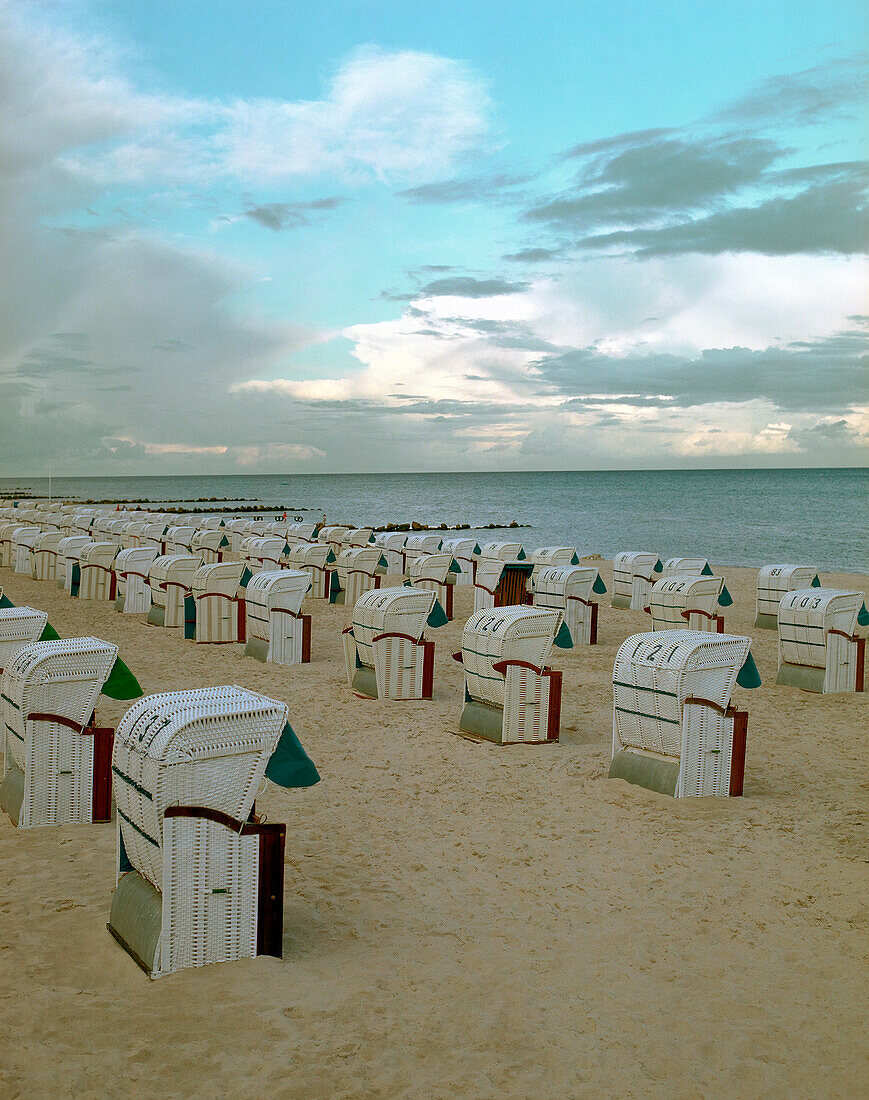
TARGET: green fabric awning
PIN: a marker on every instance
(725, 599)
(455, 567)
(574, 560)
(122, 684)
(290, 765)
(563, 639)
(189, 618)
(521, 555)
(437, 616)
(598, 585)
(658, 567)
(748, 676)
(863, 616)
(5, 601)
(49, 634)
(706, 571)
(245, 578)
(816, 583)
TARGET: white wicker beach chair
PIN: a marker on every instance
(545, 556)
(357, 537)
(132, 573)
(499, 583)
(169, 579)
(357, 570)
(386, 654)
(634, 573)
(19, 626)
(503, 551)
(209, 544)
(7, 530)
(465, 551)
(215, 611)
(333, 536)
(82, 523)
(675, 730)
(179, 538)
(209, 523)
(131, 534)
(43, 560)
(316, 559)
(437, 573)
(298, 532)
(68, 550)
(56, 760)
(199, 880)
(153, 534)
(773, 584)
(686, 567)
(689, 602)
(510, 693)
(277, 631)
(820, 648)
(414, 545)
(264, 552)
(23, 541)
(96, 571)
(572, 590)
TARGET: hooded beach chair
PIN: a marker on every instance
(132, 533)
(214, 610)
(414, 545)
(209, 544)
(634, 573)
(465, 551)
(7, 530)
(821, 647)
(132, 574)
(68, 551)
(210, 523)
(96, 571)
(19, 626)
(169, 579)
(357, 570)
(199, 879)
(675, 730)
(297, 532)
(57, 759)
(43, 560)
(499, 583)
(333, 536)
(689, 603)
(236, 530)
(264, 552)
(773, 584)
(179, 538)
(316, 559)
(357, 537)
(82, 523)
(437, 573)
(23, 541)
(153, 534)
(545, 556)
(686, 567)
(386, 654)
(276, 630)
(510, 693)
(391, 544)
(572, 590)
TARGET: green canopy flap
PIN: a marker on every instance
(725, 599)
(748, 676)
(521, 555)
(245, 578)
(121, 684)
(455, 567)
(334, 585)
(189, 618)
(5, 601)
(290, 765)
(574, 560)
(49, 634)
(224, 542)
(563, 639)
(75, 579)
(437, 616)
(476, 549)
(706, 571)
(598, 585)
(658, 567)
(863, 616)
(330, 557)
(816, 583)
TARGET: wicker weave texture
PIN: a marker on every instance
(775, 581)
(43, 561)
(817, 629)
(312, 557)
(215, 590)
(685, 567)
(132, 569)
(273, 602)
(96, 562)
(391, 545)
(358, 571)
(517, 633)
(170, 578)
(465, 552)
(633, 577)
(685, 601)
(23, 541)
(19, 626)
(63, 677)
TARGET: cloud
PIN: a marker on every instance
(469, 189)
(284, 215)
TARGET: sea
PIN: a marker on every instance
(731, 517)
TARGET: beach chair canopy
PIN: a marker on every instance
(685, 567)
(822, 639)
(634, 573)
(19, 626)
(503, 551)
(505, 634)
(773, 584)
(688, 601)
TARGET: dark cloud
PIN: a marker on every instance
(825, 376)
(284, 215)
(618, 141)
(535, 255)
(465, 286)
(471, 189)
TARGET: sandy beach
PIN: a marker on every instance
(463, 920)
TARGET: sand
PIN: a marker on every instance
(464, 920)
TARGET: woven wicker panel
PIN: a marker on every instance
(312, 557)
(389, 611)
(357, 537)
(398, 668)
(68, 550)
(502, 551)
(464, 552)
(263, 552)
(295, 533)
(671, 596)
(357, 571)
(626, 566)
(685, 567)
(7, 530)
(207, 747)
(486, 580)
(505, 633)
(179, 539)
(62, 677)
(96, 560)
(19, 626)
(206, 543)
(654, 673)
(432, 567)
(23, 541)
(805, 618)
(775, 581)
(132, 570)
(273, 602)
(391, 544)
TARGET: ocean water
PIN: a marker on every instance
(732, 517)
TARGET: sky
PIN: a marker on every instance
(367, 235)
